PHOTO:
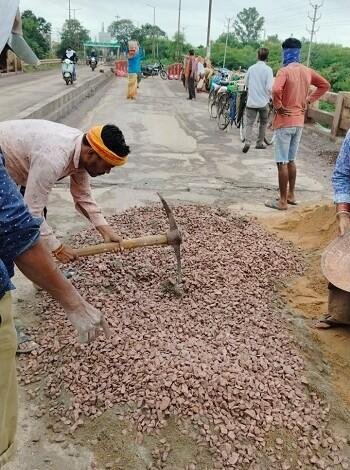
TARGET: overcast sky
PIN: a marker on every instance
(284, 17)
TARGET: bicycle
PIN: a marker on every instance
(214, 97)
(227, 108)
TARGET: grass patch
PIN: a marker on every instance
(324, 106)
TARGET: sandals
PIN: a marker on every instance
(275, 205)
(327, 322)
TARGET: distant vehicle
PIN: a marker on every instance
(68, 71)
(93, 63)
(154, 70)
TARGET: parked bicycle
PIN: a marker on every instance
(218, 85)
(214, 97)
(228, 106)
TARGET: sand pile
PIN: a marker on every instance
(308, 227)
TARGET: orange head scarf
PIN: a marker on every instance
(95, 140)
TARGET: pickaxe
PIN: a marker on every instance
(170, 237)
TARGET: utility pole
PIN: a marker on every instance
(208, 30)
(314, 18)
(153, 32)
(74, 10)
(228, 20)
(178, 32)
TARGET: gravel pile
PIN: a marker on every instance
(219, 358)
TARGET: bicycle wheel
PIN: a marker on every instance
(270, 133)
(223, 112)
(163, 75)
(242, 126)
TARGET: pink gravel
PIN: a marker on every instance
(220, 359)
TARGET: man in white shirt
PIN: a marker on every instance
(259, 81)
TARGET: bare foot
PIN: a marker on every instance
(291, 199)
(277, 205)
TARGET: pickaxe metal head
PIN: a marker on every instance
(174, 237)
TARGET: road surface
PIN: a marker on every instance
(178, 150)
(19, 92)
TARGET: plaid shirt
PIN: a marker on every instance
(19, 231)
(341, 174)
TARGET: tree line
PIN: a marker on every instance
(331, 60)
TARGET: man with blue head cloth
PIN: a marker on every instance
(291, 94)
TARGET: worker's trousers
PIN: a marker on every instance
(8, 380)
(191, 83)
(251, 114)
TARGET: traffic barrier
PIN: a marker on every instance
(121, 68)
(175, 71)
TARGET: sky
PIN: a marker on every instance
(282, 17)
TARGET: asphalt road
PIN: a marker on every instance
(19, 92)
(178, 150)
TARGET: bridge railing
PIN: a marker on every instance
(338, 121)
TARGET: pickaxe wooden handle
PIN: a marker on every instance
(127, 244)
(172, 237)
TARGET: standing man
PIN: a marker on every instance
(191, 74)
(39, 153)
(258, 80)
(291, 95)
(135, 56)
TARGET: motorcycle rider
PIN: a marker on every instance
(72, 56)
(93, 54)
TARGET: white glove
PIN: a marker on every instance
(88, 321)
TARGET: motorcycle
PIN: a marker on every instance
(154, 70)
(93, 63)
(162, 71)
(148, 71)
(68, 71)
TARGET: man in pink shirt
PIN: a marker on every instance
(39, 153)
(291, 95)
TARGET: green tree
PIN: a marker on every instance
(273, 38)
(123, 31)
(73, 35)
(232, 40)
(37, 33)
(248, 25)
(146, 31)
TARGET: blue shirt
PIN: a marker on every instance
(19, 231)
(134, 63)
(341, 174)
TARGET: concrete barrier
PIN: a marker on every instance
(59, 106)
